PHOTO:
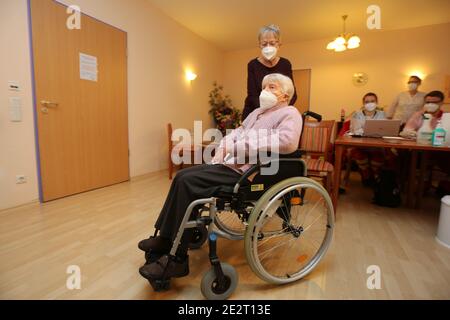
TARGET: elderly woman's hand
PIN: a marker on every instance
(219, 156)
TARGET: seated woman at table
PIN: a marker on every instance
(369, 160)
(433, 103)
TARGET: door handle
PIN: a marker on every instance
(49, 104)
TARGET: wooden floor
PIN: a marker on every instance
(99, 231)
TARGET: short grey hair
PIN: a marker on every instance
(286, 83)
(270, 28)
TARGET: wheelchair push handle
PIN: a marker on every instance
(313, 115)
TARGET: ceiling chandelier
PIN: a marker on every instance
(344, 41)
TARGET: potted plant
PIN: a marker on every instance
(222, 110)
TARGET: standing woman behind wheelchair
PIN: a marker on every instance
(268, 62)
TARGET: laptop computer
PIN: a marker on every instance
(381, 128)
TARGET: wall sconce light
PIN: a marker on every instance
(417, 73)
(190, 76)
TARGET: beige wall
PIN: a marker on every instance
(386, 56)
(159, 50)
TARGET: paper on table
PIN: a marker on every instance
(394, 138)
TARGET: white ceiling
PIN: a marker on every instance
(234, 24)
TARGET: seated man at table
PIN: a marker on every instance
(274, 117)
(433, 103)
(369, 160)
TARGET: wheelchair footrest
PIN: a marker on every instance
(204, 221)
(160, 285)
(151, 257)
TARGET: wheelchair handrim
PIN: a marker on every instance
(234, 233)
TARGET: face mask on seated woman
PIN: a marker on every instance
(370, 106)
(268, 99)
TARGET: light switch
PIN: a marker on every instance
(15, 109)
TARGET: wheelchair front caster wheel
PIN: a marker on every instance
(212, 290)
(199, 236)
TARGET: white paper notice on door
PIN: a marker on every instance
(88, 67)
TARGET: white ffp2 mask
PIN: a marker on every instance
(413, 86)
(269, 52)
(267, 99)
(370, 106)
(431, 107)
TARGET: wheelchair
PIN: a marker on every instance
(286, 221)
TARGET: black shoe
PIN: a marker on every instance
(155, 244)
(151, 257)
(167, 267)
(369, 183)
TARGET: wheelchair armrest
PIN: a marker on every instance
(256, 168)
(294, 155)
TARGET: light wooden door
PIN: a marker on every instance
(302, 80)
(82, 124)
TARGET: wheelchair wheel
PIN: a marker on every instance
(212, 291)
(199, 236)
(289, 230)
(229, 222)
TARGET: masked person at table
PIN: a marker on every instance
(369, 160)
(433, 106)
(433, 102)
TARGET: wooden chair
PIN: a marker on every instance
(347, 157)
(170, 143)
(316, 142)
(190, 148)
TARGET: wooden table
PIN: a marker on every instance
(342, 143)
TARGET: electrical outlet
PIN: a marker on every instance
(21, 179)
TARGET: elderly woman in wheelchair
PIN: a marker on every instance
(285, 219)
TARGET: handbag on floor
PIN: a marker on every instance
(386, 190)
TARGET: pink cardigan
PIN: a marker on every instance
(285, 121)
